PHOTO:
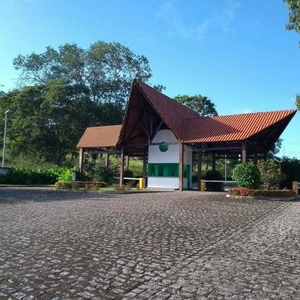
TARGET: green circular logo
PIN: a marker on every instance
(163, 147)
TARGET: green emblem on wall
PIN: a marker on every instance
(163, 147)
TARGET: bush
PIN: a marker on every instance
(214, 186)
(271, 174)
(98, 172)
(87, 185)
(261, 193)
(247, 176)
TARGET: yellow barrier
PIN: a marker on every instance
(141, 183)
(295, 187)
(202, 186)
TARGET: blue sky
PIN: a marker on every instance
(235, 52)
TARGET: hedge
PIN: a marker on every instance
(261, 193)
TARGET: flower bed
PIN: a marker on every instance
(261, 193)
(87, 185)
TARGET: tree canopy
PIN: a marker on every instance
(294, 15)
(198, 103)
(61, 92)
(105, 70)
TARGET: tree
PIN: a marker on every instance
(106, 70)
(271, 174)
(247, 176)
(47, 120)
(294, 15)
(198, 103)
(61, 92)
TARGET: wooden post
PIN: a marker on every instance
(80, 163)
(199, 170)
(121, 168)
(244, 153)
(181, 162)
(107, 160)
(144, 169)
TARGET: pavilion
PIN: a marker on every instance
(166, 133)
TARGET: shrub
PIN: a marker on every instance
(214, 186)
(87, 185)
(271, 174)
(247, 176)
(261, 193)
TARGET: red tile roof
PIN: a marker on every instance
(232, 127)
(100, 137)
(173, 113)
(186, 124)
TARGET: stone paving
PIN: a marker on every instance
(164, 245)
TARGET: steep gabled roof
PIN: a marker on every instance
(144, 99)
(100, 137)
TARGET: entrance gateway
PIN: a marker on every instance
(166, 134)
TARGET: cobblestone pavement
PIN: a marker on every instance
(165, 245)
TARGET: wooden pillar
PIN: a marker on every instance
(213, 158)
(107, 160)
(121, 168)
(199, 170)
(80, 163)
(144, 169)
(181, 162)
(244, 153)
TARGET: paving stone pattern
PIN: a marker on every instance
(164, 245)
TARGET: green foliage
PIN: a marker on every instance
(65, 174)
(261, 193)
(291, 169)
(271, 174)
(64, 91)
(247, 176)
(198, 103)
(297, 101)
(98, 172)
(104, 70)
(294, 15)
(87, 185)
(28, 176)
(214, 186)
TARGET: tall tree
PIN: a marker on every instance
(294, 15)
(105, 69)
(198, 103)
(47, 120)
(294, 24)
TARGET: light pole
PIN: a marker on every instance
(4, 138)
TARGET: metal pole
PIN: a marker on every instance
(4, 139)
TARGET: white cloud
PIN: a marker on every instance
(226, 17)
(170, 13)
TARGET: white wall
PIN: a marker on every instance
(170, 156)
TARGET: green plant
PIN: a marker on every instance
(271, 174)
(247, 176)
(214, 186)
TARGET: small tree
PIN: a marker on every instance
(271, 174)
(247, 176)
